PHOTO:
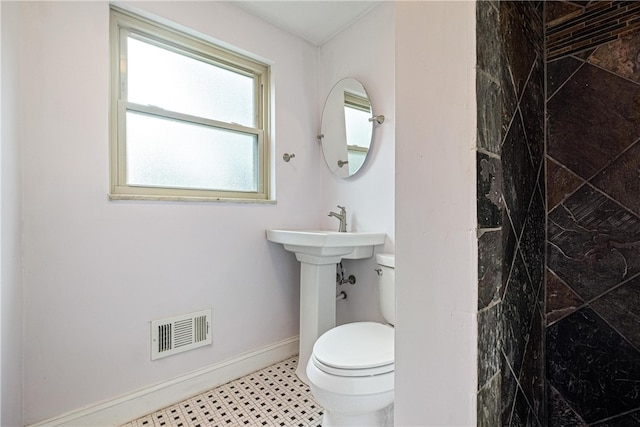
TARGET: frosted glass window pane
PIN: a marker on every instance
(356, 159)
(168, 153)
(179, 83)
(358, 127)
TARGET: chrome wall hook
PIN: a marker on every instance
(286, 156)
(378, 119)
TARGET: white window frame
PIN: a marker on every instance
(122, 24)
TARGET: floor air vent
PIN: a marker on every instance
(180, 333)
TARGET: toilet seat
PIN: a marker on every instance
(355, 350)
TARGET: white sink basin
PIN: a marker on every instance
(349, 245)
(318, 252)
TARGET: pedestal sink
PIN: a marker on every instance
(318, 252)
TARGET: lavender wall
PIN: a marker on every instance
(11, 295)
(436, 261)
(97, 271)
(369, 196)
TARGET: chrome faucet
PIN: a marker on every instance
(342, 216)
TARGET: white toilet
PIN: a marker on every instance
(351, 369)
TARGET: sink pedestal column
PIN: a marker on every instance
(317, 304)
(319, 252)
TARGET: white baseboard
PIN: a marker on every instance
(128, 407)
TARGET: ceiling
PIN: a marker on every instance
(315, 21)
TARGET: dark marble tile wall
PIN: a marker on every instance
(511, 213)
(593, 224)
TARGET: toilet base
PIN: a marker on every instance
(344, 410)
(350, 401)
(380, 418)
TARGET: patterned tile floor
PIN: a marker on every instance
(273, 396)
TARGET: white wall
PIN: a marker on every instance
(366, 52)
(436, 264)
(11, 309)
(97, 271)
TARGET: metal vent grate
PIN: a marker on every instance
(164, 337)
(180, 333)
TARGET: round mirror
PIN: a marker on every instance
(346, 128)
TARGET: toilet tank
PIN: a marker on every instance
(387, 286)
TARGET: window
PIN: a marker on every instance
(189, 120)
(357, 114)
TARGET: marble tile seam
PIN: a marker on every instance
(589, 180)
(601, 36)
(537, 60)
(635, 82)
(488, 153)
(592, 28)
(615, 417)
(489, 381)
(582, 46)
(588, 34)
(616, 330)
(490, 306)
(567, 79)
(518, 386)
(564, 401)
(489, 76)
(588, 13)
(619, 203)
(576, 308)
(587, 303)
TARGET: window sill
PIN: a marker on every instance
(115, 197)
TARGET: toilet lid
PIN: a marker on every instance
(360, 345)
